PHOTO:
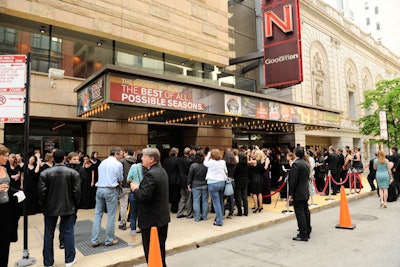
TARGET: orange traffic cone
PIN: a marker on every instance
(154, 250)
(344, 220)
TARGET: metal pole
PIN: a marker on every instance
(329, 198)
(26, 260)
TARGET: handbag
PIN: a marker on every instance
(228, 191)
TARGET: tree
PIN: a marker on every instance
(385, 97)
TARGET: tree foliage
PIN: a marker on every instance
(385, 97)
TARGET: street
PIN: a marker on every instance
(374, 242)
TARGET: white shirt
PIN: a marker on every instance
(110, 172)
(216, 170)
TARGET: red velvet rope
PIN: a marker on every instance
(276, 192)
(361, 186)
(340, 183)
(325, 187)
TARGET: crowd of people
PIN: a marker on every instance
(151, 188)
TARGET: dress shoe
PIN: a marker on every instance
(298, 238)
(62, 246)
(217, 224)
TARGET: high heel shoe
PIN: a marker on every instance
(255, 210)
(260, 209)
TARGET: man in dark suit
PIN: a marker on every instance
(395, 158)
(152, 200)
(299, 193)
(333, 162)
(171, 167)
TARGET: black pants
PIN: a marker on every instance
(303, 217)
(335, 187)
(162, 238)
(174, 196)
(5, 251)
(371, 178)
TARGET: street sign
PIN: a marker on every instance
(12, 88)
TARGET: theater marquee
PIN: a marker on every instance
(282, 43)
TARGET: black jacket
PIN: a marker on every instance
(197, 175)
(59, 190)
(299, 176)
(152, 198)
(184, 165)
(333, 161)
(171, 167)
(127, 163)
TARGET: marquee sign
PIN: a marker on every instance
(282, 43)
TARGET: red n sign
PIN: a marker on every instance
(282, 43)
(285, 25)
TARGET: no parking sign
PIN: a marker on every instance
(12, 88)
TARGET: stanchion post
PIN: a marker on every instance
(312, 195)
(329, 198)
(26, 259)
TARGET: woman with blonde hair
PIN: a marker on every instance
(257, 166)
(14, 172)
(384, 176)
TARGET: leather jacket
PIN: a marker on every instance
(59, 190)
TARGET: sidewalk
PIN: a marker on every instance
(183, 233)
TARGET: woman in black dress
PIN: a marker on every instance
(258, 168)
(30, 185)
(87, 184)
(96, 162)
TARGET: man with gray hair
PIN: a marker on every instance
(110, 175)
(152, 199)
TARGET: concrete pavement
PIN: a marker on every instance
(183, 233)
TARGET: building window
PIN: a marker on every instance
(376, 10)
(378, 26)
(368, 21)
(352, 107)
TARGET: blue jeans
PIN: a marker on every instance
(200, 196)
(217, 196)
(67, 224)
(133, 212)
(105, 197)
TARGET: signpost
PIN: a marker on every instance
(14, 93)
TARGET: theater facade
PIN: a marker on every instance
(155, 73)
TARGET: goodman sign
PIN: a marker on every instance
(282, 43)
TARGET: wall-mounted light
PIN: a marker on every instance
(99, 43)
(145, 54)
(42, 29)
(55, 74)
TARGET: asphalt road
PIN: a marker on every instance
(374, 242)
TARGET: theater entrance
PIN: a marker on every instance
(165, 137)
